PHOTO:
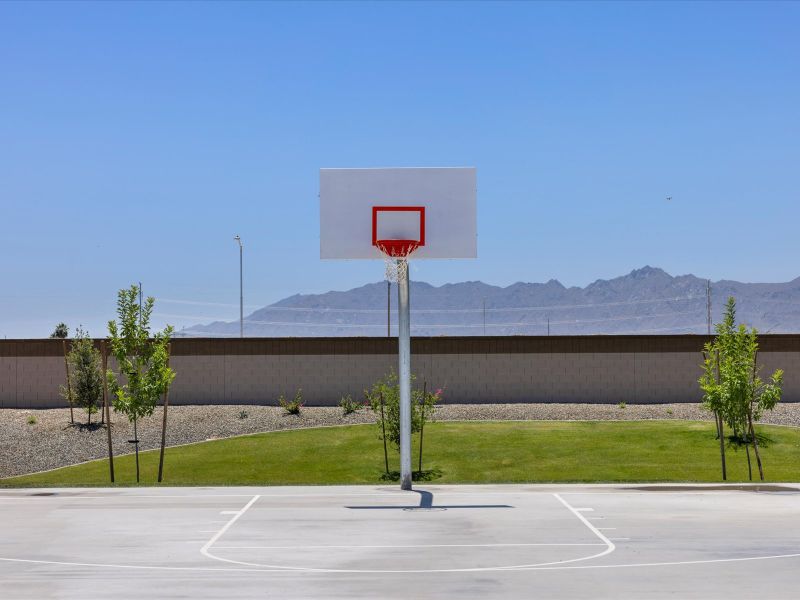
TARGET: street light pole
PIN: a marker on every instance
(241, 289)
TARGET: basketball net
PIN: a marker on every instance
(395, 256)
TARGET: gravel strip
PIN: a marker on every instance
(52, 442)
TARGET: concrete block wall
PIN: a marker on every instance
(31, 372)
(595, 369)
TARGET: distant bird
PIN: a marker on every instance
(669, 198)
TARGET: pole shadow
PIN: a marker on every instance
(426, 503)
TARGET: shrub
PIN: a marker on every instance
(31, 419)
(243, 414)
(422, 405)
(85, 388)
(622, 405)
(292, 407)
(348, 405)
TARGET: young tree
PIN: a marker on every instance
(757, 395)
(715, 398)
(60, 332)
(428, 402)
(85, 385)
(732, 387)
(384, 400)
(142, 360)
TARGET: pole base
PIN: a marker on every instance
(405, 483)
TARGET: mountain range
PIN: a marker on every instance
(646, 300)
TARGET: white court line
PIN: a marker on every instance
(204, 550)
(608, 543)
(59, 563)
(395, 546)
(676, 563)
(124, 497)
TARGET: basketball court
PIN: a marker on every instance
(511, 541)
(494, 541)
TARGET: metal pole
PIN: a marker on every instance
(140, 304)
(484, 316)
(241, 287)
(404, 373)
(388, 308)
(708, 304)
(241, 290)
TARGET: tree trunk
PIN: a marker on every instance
(716, 422)
(383, 430)
(721, 429)
(164, 425)
(136, 445)
(107, 410)
(69, 383)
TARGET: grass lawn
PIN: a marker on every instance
(455, 452)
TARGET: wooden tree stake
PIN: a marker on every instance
(721, 430)
(69, 383)
(164, 424)
(107, 409)
(422, 422)
(750, 421)
(383, 430)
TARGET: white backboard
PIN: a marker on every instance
(347, 198)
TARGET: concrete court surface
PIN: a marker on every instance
(492, 541)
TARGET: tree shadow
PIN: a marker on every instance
(424, 475)
(739, 442)
(85, 426)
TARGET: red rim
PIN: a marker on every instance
(397, 248)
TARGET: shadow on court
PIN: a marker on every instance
(426, 503)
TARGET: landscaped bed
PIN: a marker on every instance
(51, 442)
(456, 452)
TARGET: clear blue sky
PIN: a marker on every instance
(137, 139)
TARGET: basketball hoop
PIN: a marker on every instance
(398, 200)
(395, 256)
